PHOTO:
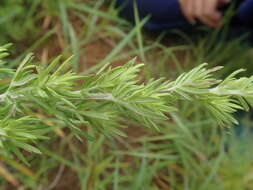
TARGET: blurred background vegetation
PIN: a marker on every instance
(189, 152)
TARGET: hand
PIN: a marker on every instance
(205, 11)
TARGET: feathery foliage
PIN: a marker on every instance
(103, 101)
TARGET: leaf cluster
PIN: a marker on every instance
(103, 102)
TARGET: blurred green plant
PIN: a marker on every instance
(21, 17)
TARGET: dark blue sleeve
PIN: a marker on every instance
(245, 12)
(165, 14)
